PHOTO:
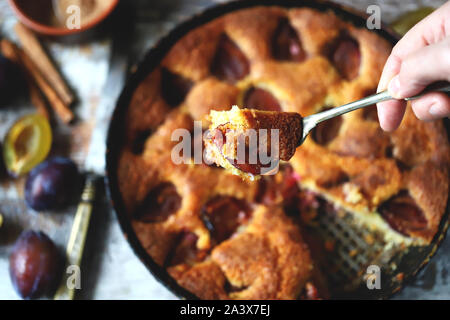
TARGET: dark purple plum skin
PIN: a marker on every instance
(35, 265)
(52, 184)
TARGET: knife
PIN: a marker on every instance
(95, 161)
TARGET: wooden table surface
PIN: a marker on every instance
(110, 270)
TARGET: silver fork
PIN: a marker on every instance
(313, 120)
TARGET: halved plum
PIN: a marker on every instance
(286, 44)
(174, 87)
(260, 99)
(222, 215)
(185, 250)
(403, 214)
(160, 203)
(138, 144)
(229, 63)
(27, 144)
(345, 55)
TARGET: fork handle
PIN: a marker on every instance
(312, 120)
(441, 86)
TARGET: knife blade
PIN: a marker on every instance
(95, 160)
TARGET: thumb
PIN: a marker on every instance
(421, 68)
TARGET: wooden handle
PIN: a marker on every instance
(75, 246)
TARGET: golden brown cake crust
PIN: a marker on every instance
(205, 280)
(289, 125)
(359, 168)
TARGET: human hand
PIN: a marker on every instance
(420, 58)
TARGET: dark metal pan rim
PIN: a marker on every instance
(150, 61)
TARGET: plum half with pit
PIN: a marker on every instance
(52, 184)
(27, 144)
(35, 264)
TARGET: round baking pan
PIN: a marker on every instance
(409, 265)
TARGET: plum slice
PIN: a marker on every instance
(229, 63)
(251, 152)
(402, 214)
(138, 143)
(222, 215)
(345, 55)
(260, 99)
(254, 169)
(286, 44)
(185, 250)
(159, 204)
(174, 87)
(326, 131)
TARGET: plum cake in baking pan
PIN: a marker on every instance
(222, 237)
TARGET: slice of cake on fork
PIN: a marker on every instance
(273, 134)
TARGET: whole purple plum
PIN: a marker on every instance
(35, 264)
(52, 184)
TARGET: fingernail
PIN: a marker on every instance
(382, 84)
(394, 86)
(436, 110)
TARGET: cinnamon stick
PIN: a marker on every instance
(37, 99)
(11, 51)
(32, 46)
